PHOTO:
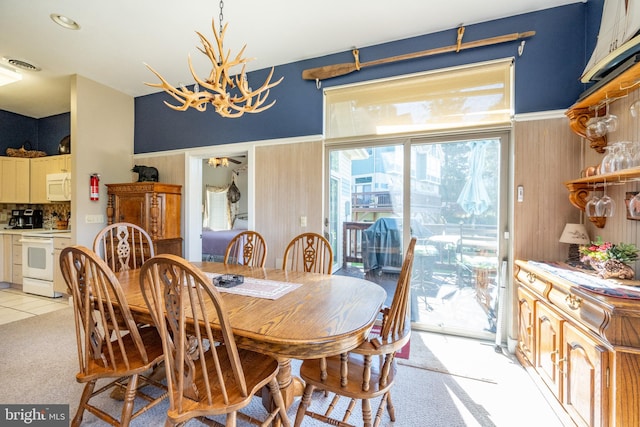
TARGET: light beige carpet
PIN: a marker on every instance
(38, 363)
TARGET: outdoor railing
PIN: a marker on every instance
(467, 235)
(352, 241)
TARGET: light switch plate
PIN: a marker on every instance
(94, 219)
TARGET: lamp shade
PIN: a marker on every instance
(575, 234)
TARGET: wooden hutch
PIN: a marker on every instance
(584, 347)
(153, 206)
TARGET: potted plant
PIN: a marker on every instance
(610, 260)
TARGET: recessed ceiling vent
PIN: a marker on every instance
(23, 65)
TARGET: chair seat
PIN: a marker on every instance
(263, 368)
(310, 372)
(153, 346)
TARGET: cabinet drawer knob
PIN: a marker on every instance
(531, 277)
(573, 301)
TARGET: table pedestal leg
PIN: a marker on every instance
(290, 387)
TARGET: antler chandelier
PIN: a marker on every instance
(230, 96)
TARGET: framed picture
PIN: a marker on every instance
(632, 204)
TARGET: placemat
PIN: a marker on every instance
(608, 287)
(259, 288)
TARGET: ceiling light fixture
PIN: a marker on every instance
(64, 21)
(9, 76)
(230, 96)
(218, 161)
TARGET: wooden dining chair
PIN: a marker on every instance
(247, 248)
(355, 375)
(308, 252)
(124, 246)
(207, 374)
(105, 349)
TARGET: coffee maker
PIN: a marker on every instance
(33, 218)
(25, 219)
(17, 219)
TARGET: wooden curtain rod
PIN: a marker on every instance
(335, 70)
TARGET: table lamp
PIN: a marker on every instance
(574, 234)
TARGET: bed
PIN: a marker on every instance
(214, 242)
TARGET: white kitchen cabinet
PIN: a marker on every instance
(16, 256)
(6, 259)
(14, 182)
(59, 243)
(40, 168)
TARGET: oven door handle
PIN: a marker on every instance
(36, 241)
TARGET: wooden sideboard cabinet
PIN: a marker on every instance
(585, 347)
(153, 206)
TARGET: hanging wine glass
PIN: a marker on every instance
(596, 128)
(634, 109)
(608, 161)
(610, 121)
(622, 159)
(590, 207)
(605, 206)
(634, 154)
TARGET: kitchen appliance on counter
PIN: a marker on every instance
(25, 219)
(17, 219)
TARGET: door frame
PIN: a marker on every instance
(505, 212)
(193, 191)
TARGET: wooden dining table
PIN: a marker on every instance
(324, 316)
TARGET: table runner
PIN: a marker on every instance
(259, 288)
(608, 287)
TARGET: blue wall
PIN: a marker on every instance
(42, 134)
(16, 130)
(547, 78)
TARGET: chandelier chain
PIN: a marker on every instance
(221, 16)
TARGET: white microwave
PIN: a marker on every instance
(58, 187)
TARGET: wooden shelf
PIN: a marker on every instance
(579, 189)
(585, 108)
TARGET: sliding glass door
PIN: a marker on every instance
(451, 193)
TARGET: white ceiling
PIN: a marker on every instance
(118, 36)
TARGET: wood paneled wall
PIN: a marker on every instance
(547, 153)
(170, 167)
(288, 184)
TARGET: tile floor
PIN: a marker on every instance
(16, 305)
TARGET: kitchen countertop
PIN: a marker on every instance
(39, 231)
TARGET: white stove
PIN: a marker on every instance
(37, 262)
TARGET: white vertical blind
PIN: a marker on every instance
(452, 98)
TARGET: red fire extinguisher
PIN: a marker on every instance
(94, 193)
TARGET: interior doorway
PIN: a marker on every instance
(200, 174)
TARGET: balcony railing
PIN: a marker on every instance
(371, 201)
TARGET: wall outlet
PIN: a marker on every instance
(303, 221)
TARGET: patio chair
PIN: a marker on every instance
(247, 248)
(124, 246)
(308, 252)
(105, 349)
(355, 375)
(207, 374)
